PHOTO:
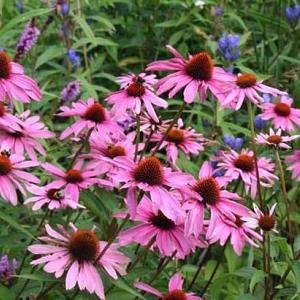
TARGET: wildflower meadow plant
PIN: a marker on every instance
(134, 165)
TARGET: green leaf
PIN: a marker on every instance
(86, 28)
(246, 297)
(23, 18)
(245, 272)
(257, 277)
(123, 285)
(6, 218)
(48, 55)
(6, 294)
(296, 269)
(38, 277)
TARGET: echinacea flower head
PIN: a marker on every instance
(14, 84)
(242, 165)
(195, 75)
(77, 253)
(92, 116)
(168, 235)
(274, 138)
(73, 180)
(23, 135)
(178, 138)
(240, 233)
(282, 114)
(149, 175)
(209, 192)
(259, 219)
(175, 290)
(12, 176)
(246, 86)
(50, 196)
(136, 91)
(294, 161)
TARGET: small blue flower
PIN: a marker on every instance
(206, 123)
(228, 46)
(232, 142)
(65, 9)
(219, 11)
(20, 6)
(292, 14)
(74, 58)
(267, 98)
(259, 123)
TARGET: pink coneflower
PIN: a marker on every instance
(175, 291)
(275, 139)
(242, 165)
(168, 235)
(294, 161)
(23, 135)
(12, 177)
(14, 84)
(151, 176)
(51, 196)
(75, 179)
(92, 115)
(225, 227)
(208, 191)
(77, 253)
(246, 86)
(185, 139)
(265, 221)
(282, 114)
(6, 118)
(195, 75)
(135, 91)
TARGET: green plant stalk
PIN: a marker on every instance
(251, 121)
(284, 193)
(138, 135)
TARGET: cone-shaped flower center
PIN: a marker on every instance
(114, 151)
(54, 194)
(209, 189)
(95, 113)
(162, 222)
(136, 89)
(274, 139)
(246, 80)
(5, 66)
(245, 163)
(84, 245)
(282, 109)
(73, 176)
(266, 222)
(175, 135)
(175, 295)
(200, 66)
(150, 171)
(5, 165)
(2, 109)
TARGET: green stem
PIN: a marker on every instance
(284, 193)
(177, 116)
(138, 135)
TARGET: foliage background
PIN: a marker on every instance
(118, 36)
